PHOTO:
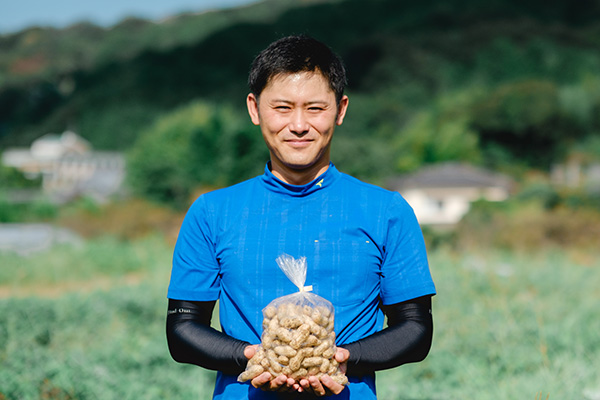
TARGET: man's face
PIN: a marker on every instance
(297, 114)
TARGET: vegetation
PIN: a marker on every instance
(40, 209)
(539, 217)
(13, 178)
(508, 84)
(506, 326)
(199, 143)
(91, 332)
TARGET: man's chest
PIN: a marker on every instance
(343, 248)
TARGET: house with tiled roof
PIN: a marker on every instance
(441, 194)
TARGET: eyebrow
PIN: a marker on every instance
(309, 103)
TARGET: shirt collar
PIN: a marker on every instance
(324, 180)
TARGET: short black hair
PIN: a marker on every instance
(296, 54)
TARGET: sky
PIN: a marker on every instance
(16, 15)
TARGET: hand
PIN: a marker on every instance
(250, 351)
(326, 385)
(281, 383)
(265, 381)
(341, 356)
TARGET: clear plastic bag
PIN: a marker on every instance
(298, 339)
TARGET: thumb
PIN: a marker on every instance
(342, 355)
(250, 351)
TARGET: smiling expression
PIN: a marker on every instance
(297, 114)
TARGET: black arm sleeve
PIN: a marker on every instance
(192, 340)
(406, 339)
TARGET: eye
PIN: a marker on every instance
(315, 108)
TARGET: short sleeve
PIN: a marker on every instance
(195, 275)
(405, 271)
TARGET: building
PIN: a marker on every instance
(69, 167)
(441, 194)
(577, 174)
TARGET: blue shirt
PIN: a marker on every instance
(362, 243)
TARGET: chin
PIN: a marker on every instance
(299, 167)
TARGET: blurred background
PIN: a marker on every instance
(115, 116)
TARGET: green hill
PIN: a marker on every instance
(506, 79)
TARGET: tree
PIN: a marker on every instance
(198, 145)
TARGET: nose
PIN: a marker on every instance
(299, 123)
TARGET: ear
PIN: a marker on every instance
(342, 107)
(252, 104)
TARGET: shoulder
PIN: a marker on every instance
(357, 184)
(216, 204)
(226, 194)
(372, 191)
(371, 199)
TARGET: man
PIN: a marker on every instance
(363, 245)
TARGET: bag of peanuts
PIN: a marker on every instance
(298, 338)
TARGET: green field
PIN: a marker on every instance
(88, 323)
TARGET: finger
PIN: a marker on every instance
(305, 384)
(298, 388)
(261, 380)
(278, 382)
(283, 384)
(291, 383)
(331, 385)
(250, 351)
(316, 386)
(341, 355)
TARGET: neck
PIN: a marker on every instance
(298, 176)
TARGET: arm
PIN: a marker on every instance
(406, 339)
(410, 325)
(192, 340)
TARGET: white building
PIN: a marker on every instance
(69, 167)
(442, 194)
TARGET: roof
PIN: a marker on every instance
(49, 137)
(450, 175)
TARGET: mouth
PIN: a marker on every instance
(298, 143)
